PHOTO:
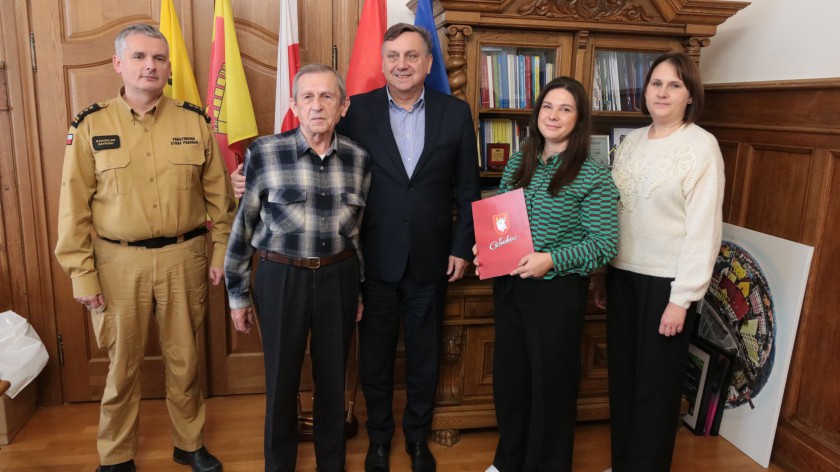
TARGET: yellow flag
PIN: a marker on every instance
(228, 99)
(181, 85)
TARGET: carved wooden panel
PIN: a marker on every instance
(449, 390)
(478, 361)
(703, 13)
(478, 308)
(100, 73)
(588, 10)
(594, 356)
(92, 17)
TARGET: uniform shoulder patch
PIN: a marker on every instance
(195, 108)
(87, 111)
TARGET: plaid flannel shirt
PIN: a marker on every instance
(296, 204)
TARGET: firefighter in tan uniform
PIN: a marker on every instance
(144, 172)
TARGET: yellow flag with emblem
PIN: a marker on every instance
(228, 99)
(181, 84)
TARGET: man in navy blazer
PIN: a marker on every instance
(422, 146)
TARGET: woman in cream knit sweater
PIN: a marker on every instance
(670, 176)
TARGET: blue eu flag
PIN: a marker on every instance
(437, 79)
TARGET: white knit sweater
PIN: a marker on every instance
(670, 212)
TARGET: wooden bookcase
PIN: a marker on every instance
(577, 37)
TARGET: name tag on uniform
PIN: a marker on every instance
(101, 143)
(183, 140)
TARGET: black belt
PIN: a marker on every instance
(157, 243)
(306, 262)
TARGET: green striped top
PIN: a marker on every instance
(578, 227)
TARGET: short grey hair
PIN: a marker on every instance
(398, 29)
(146, 30)
(317, 69)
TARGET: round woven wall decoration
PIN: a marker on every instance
(738, 316)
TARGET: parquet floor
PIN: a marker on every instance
(63, 438)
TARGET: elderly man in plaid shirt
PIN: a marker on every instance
(301, 212)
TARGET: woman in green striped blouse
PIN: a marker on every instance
(572, 208)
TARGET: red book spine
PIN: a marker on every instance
(529, 91)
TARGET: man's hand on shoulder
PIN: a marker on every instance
(237, 180)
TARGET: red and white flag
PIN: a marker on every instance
(288, 64)
(365, 71)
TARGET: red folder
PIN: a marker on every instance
(502, 233)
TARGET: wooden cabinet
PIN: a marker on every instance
(571, 34)
(465, 387)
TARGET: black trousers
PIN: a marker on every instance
(536, 370)
(293, 304)
(420, 307)
(646, 372)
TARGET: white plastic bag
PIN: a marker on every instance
(22, 354)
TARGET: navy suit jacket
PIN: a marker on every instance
(411, 218)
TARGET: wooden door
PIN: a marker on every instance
(74, 46)
(236, 364)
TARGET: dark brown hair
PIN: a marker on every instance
(578, 146)
(398, 29)
(688, 72)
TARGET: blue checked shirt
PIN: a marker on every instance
(296, 204)
(409, 127)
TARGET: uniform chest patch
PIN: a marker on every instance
(183, 140)
(105, 142)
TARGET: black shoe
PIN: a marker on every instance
(377, 457)
(200, 460)
(127, 466)
(422, 459)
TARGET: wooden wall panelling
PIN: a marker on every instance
(786, 173)
(787, 183)
(729, 150)
(809, 431)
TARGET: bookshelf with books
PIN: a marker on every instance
(512, 77)
(618, 79)
(499, 54)
(512, 68)
(615, 72)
